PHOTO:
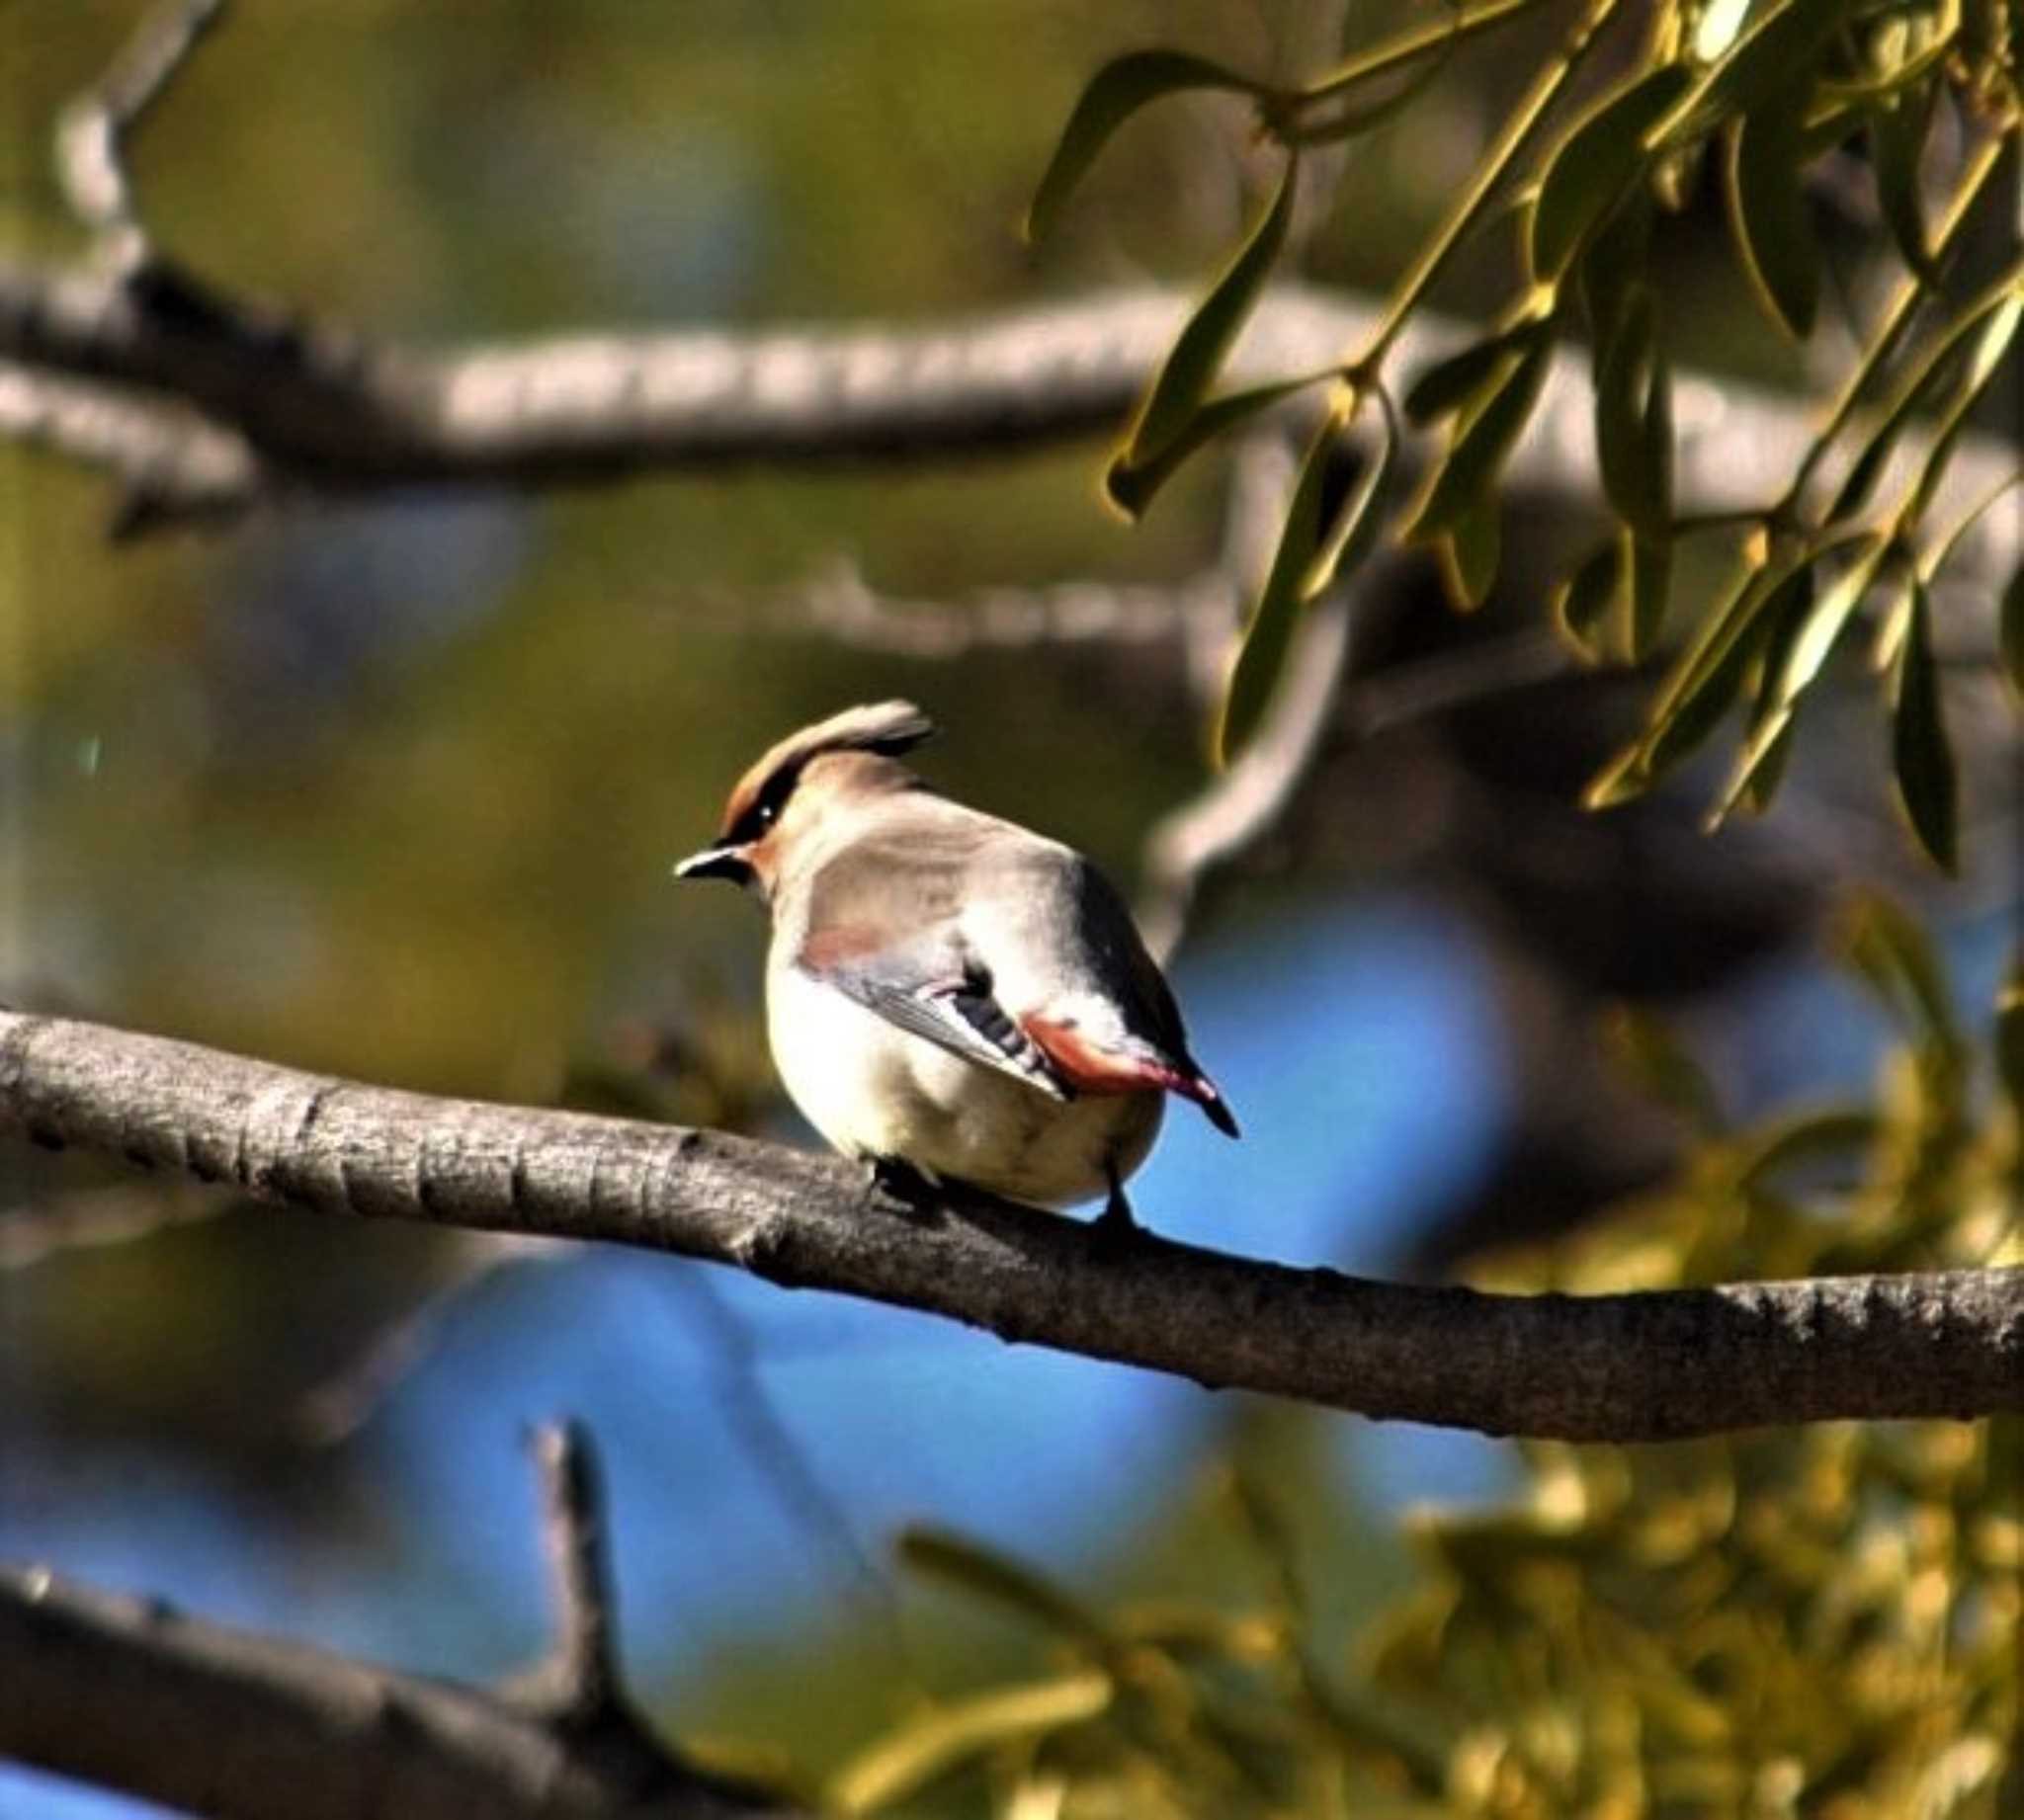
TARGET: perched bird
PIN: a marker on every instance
(947, 991)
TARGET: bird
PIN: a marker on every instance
(951, 998)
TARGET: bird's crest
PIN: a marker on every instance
(885, 727)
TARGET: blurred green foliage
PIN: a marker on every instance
(1822, 1622)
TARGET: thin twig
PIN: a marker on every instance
(91, 136)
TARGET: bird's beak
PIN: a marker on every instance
(716, 862)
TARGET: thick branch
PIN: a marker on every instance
(129, 1695)
(316, 407)
(1641, 1367)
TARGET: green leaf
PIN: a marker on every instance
(1822, 628)
(1268, 638)
(1198, 352)
(1349, 540)
(1921, 756)
(1583, 604)
(1004, 1582)
(1650, 584)
(950, 1735)
(1469, 553)
(1889, 952)
(1633, 420)
(1481, 443)
(1596, 162)
(1704, 682)
(1646, 1049)
(1114, 94)
(2010, 629)
(2008, 1042)
(1768, 211)
(1810, 1138)
(1764, 59)
(1447, 384)
(1897, 137)
(1994, 316)
(1611, 271)
(1130, 488)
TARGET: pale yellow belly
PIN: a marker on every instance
(873, 1090)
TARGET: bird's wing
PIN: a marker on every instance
(927, 982)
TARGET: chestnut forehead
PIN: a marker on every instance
(787, 754)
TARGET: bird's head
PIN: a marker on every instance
(781, 801)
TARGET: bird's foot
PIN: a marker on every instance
(1115, 1231)
(899, 1180)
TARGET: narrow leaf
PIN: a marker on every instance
(1609, 270)
(1756, 66)
(1650, 584)
(1198, 352)
(1469, 553)
(1890, 953)
(950, 1735)
(1268, 638)
(1650, 1053)
(1633, 420)
(1448, 383)
(1583, 604)
(1704, 682)
(1896, 138)
(1921, 756)
(1348, 541)
(1994, 317)
(1768, 213)
(1482, 439)
(1003, 1581)
(1115, 93)
(1130, 488)
(1594, 164)
(1824, 625)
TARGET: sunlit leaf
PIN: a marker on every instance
(1768, 211)
(1204, 342)
(1131, 489)
(1704, 682)
(1448, 383)
(1634, 420)
(1583, 603)
(951, 1735)
(1923, 761)
(1719, 22)
(1827, 618)
(1594, 164)
(1469, 553)
(1482, 439)
(1114, 94)
(1267, 635)
(1781, 40)
(1354, 531)
(1990, 321)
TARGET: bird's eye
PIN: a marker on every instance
(769, 814)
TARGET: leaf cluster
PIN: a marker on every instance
(1824, 1622)
(1765, 90)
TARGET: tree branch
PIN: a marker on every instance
(129, 1695)
(1642, 1367)
(316, 407)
